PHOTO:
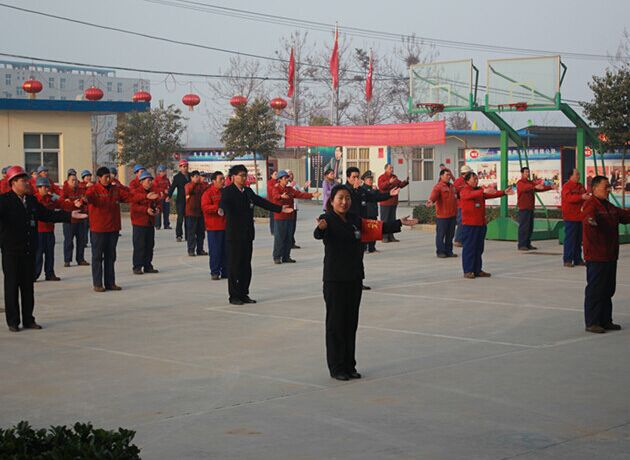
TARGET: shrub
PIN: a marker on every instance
(83, 441)
(427, 215)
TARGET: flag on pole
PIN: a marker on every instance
(291, 74)
(334, 61)
(368, 81)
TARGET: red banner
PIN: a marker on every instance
(371, 230)
(426, 133)
(334, 61)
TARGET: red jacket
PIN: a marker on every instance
(161, 184)
(525, 194)
(4, 186)
(104, 207)
(139, 207)
(133, 185)
(473, 203)
(194, 191)
(70, 194)
(276, 198)
(384, 185)
(47, 201)
(210, 206)
(445, 198)
(459, 184)
(601, 242)
(271, 183)
(572, 201)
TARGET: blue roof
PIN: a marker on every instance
(73, 106)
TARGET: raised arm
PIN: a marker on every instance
(262, 203)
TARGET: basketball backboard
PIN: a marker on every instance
(442, 86)
(524, 84)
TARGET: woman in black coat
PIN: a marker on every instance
(343, 278)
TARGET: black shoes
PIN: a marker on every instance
(366, 288)
(236, 302)
(66, 264)
(341, 376)
(277, 261)
(202, 253)
(151, 270)
(215, 277)
(595, 329)
(247, 299)
(52, 277)
(191, 253)
(83, 263)
(178, 239)
(33, 325)
(354, 375)
(14, 328)
(137, 271)
(295, 246)
(289, 261)
(612, 327)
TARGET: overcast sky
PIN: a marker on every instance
(566, 26)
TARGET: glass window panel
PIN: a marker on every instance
(428, 170)
(51, 141)
(51, 161)
(416, 171)
(428, 154)
(32, 160)
(32, 141)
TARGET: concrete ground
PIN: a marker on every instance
(493, 368)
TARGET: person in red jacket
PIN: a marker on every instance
(194, 217)
(444, 196)
(144, 208)
(161, 184)
(271, 183)
(284, 195)
(135, 182)
(104, 209)
(214, 219)
(459, 184)
(386, 182)
(573, 197)
(42, 171)
(525, 193)
(473, 201)
(45, 254)
(74, 230)
(4, 183)
(600, 227)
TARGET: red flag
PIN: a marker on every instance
(368, 82)
(334, 61)
(291, 75)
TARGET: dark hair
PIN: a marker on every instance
(444, 171)
(194, 173)
(597, 180)
(352, 169)
(329, 170)
(339, 147)
(215, 175)
(336, 189)
(102, 171)
(469, 174)
(237, 169)
(524, 168)
(386, 165)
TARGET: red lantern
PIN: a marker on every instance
(93, 94)
(238, 101)
(32, 87)
(191, 100)
(278, 105)
(141, 96)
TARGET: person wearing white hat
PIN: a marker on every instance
(459, 184)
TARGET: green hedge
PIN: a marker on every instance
(427, 215)
(83, 441)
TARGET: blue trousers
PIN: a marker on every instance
(444, 231)
(195, 233)
(525, 227)
(45, 255)
(572, 242)
(73, 232)
(271, 221)
(166, 211)
(283, 239)
(601, 281)
(458, 232)
(217, 249)
(103, 258)
(473, 239)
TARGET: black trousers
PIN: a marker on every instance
(525, 227)
(143, 244)
(103, 258)
(293, 227)
(342, 319)
(195, 233)
(18, 282)
(239, 255)
(601, 281)
(181, 214)
(271, 222)
(388, 214)
(70, 233)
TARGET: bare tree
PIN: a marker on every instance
(102, 130)
(622, 55)
(458, 121)
(375, 111)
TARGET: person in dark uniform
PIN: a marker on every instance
(342, 232)
(237, 204)
(179, 182)
(19, 213)
(372, 207)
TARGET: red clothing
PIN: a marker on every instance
(271, 183)
(194, 191)
(210, 206)
(276, 197)
(161, 184)
(54, 188)
(4, 186)
(47, 201)
(601, 242)
(384, 185)
(525, 193)
(104, 207)
(459, 184)
(70, 194)
(444, 195)
(473, 201)
(139, 207)
(133, 185)
(572, 201)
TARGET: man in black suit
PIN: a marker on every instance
(19, 213)
(237, 203)
(179, 182)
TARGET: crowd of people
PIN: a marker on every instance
(222, 210)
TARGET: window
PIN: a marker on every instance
(461, 159)
(7, 79)
(42, 149)
(358, 157)
(109, 86)
(135, 87)
(62, 83)
(81, 85)
(422, 164)
(51, 82)
(19, 91)
(119, 88)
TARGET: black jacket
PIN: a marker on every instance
(343, 250)
(18, 224)
(361, 197)
(179, 182)
(239, 211)
(371, 207)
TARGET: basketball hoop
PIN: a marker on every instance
(431, 108)
(517, 106)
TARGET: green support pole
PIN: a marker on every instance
(580, 159)
(504, 171)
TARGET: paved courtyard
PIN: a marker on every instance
(493, 368)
